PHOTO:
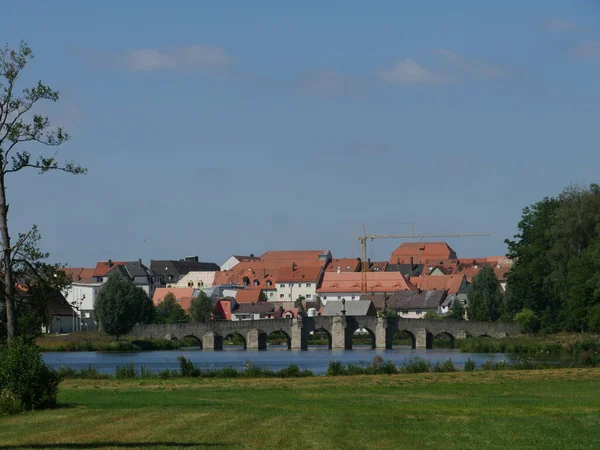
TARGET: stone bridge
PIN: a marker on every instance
(339, 331)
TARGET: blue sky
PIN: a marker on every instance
(213, 128)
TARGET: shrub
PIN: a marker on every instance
(336, 368)
(187, 368)
(527, 321)
(227, 372)
(415, 365)
(145, 372)
(9, 403)
(25, 378)
(167, 374)
(469, 365)
(89, 372)
(446, 366)
(127, 371)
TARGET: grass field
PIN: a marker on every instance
(525, 409)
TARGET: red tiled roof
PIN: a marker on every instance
(422, 253)
(449, 283)
(376, 282)
(298, 273)
(247, 296)
(183, 295)
(291, 255)
(345, 265)
(103, 267)
(378, 266)
(254, 271)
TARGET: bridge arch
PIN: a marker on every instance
(317, 335)
(191, 340)
(443, 339)
(234, 339)
(402, 335)
(283, 337)
(360, 335)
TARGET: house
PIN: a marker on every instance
(423, 253)
(169, 272)
(183, 296)
(344, 265)
(455, 287)
(234, 260)
(62, 318)
(253, 311)
(197, 279)
(355, 308)
(223, 307)
(139, 275)
(295, 281)
(82, 294)
(501, 265)
(347, 286)
(410, 304)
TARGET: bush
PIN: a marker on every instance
(446, 366)
(469, 365)
(89, 372)
(527, 321)
(187, 368)
(25, 378)
(9, 403)
(127, 371)
(415, 365)
(336, 368)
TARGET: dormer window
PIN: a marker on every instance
(269, 283)
(256, 282)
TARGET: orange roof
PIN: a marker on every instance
(78, 274)
(376, 282)
(183, 295)
(255, 273)
(247, 296)
(449, 283)
(298, 273)
(422, 253)
(344, 265)
(378, 266)
(103, 267)
(290, 255)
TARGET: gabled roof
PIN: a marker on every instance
(302, 274)
(351, 282)
(422, 252)
(103, 268)
(256, 273)
(403, 300)
(353, 308)
(247, 296)
(378, 266)
(183, 296)
(136, 269)
(449, 283)
(177, 269)
(344, 265)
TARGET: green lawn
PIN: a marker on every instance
(509, 409)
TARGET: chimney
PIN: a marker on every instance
(339, 269)
(251, 255)
(475, 263)
(140, 261)
(411, 263)
(110, 263)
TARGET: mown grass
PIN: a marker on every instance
(485, 409)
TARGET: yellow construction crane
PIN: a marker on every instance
(365, 237)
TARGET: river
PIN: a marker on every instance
(275, 357)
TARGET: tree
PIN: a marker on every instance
(18, 130)
(118, 306)
(527, 320)
(146, 311)
(201, 308)
(483, 298)
(169, 311)
(457, 311)
(300, 303)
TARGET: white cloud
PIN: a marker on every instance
(408, 71)
(559, 26)
(193, 57)
(476, 69)
(589, 49)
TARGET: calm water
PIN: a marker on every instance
(315, 359)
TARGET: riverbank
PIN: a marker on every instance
(553, 344)
(546, 409)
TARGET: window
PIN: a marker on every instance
(404, 312)
(99, 279)
(256, 282)
(269, 284)
(353, 297)
(324, 297)
(419, 311)
(281, 295)
(291, 284)
(270, 294)
(299, 284)
(308, 296)
(308, 285)
(282, 285)
(170, 277)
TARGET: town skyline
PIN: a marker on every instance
(219, 135)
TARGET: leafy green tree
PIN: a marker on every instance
(484, 299)
(20, 129)
(432, 315)
(118, 306)
(299, 303)
(594, 319)
(201, 308)
(169, 311)
(262, 297)
(146, 310)
(527, 320)
(457, 310)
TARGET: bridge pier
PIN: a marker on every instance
(212, 341)
(381, 334)
(423, 339)
(462, 334)
(256, 340)
(338, 333)
(299, 335)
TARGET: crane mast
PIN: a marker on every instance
(365, 237)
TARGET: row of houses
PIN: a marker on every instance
(419, 277)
